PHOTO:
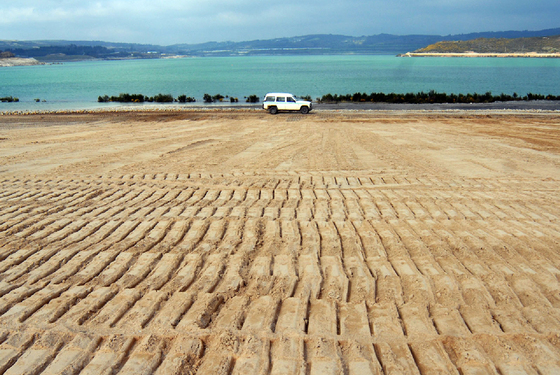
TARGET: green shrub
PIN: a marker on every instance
(9, 99)
(163, 98)
(252, 99)
(185, 99)
(127, 98)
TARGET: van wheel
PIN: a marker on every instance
(273, 110)
(304, 110)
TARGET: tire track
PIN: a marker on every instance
(275, 273)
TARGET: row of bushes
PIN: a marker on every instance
(168, 98)
(8, 99)
(432, 97)
(421, 97)
(139, 98)
(220, 98)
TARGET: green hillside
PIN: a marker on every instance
(496, 45)
(63, 50)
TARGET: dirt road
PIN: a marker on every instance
(231, 242)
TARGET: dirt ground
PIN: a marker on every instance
(235, 242)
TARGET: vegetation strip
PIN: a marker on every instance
(168, 98)
(432, 97)
(8, 99)
(410, 98)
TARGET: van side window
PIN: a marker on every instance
(269, 99)
(280, 99)
(291, 100)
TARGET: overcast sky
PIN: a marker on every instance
(168, 22)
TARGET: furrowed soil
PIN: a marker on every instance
(231, 242)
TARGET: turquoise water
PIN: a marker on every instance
(77, 85)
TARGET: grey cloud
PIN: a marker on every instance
(187, 21)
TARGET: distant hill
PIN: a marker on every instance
(62, 50)
(49, 51)
(549, 44)
(340, 44)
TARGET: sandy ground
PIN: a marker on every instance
(243, 243)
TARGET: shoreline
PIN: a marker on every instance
(218, 112)
(478, 54)
(536, 106)
(19, 61)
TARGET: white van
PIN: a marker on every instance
(281, 101)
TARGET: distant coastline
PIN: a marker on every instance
(314, 44)
(477, 54)
(534, 47)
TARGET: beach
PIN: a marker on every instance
(480, 54)
(18, 61)
(231, 241)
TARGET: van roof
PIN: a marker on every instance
(279, 94)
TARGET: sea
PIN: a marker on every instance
(77, 85)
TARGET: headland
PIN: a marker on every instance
(19, 61)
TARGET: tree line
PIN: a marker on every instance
(71, 49)
(9, 99)
(6, 55)
(432, 97)
(168, 98)
(140, 98)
